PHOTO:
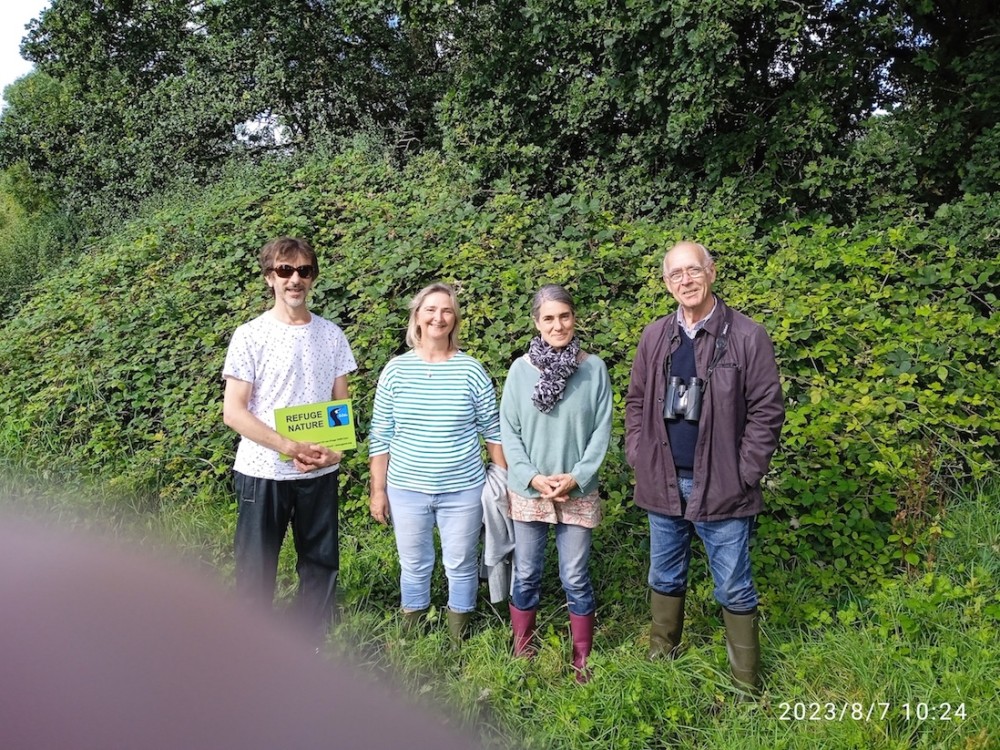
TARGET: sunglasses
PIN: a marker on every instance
(285, 271)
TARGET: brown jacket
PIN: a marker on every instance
(741, 417)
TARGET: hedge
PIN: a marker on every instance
(886, 334)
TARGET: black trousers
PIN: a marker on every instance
(266, 507)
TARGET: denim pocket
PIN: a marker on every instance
(246, 488)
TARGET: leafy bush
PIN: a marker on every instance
(887, 341)
(34, 236)
(886, 334)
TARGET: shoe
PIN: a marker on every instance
(458, 626)
(743, 649)
(415, 622)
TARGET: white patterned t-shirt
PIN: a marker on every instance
(288, 365)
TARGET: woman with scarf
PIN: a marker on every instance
(555, 424)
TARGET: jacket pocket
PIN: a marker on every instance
(726, 388)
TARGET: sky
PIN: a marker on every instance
(14, 16)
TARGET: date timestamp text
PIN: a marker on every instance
(872, 711)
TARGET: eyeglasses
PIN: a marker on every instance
(695, 272)
(285, 271)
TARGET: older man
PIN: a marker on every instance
(702, 418)
(286, 357)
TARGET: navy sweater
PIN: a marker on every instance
(683, 435)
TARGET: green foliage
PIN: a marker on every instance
(886, 335)
(34, 236)
(946, 83)
(132, 99)
(102, 123)
(861, 677)
(671, 99)
(662, 103)
(887, 343)
(36, 132)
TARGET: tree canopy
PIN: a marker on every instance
(665, 100)
(131, 97)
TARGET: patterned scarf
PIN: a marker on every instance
(557, 365)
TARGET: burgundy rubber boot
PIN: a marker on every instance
(522, 623)
(581, 628)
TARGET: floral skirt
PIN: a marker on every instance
(578, 511)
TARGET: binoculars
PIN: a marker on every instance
(683, 399)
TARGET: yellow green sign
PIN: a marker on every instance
(329, 423)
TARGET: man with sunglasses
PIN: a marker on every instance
(703, 414)
(287, 356)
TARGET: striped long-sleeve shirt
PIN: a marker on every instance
(428, 417)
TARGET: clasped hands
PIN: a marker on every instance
(555, 487)
(308, 457)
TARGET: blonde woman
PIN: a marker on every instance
(432, 406)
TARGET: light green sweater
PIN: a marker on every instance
(572, 438)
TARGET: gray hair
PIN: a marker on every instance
(706, 256)
(551, 293)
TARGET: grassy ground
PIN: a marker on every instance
(913, 662)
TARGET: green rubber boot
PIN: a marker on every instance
(415, 622)
(458, 626)
(668, 624)
(743, 648)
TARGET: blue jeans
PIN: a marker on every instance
(459, 518)
(727, 544)
(573, 545)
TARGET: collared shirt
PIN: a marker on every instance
(693, 330)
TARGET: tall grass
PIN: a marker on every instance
(861, 677)
(878, 674)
